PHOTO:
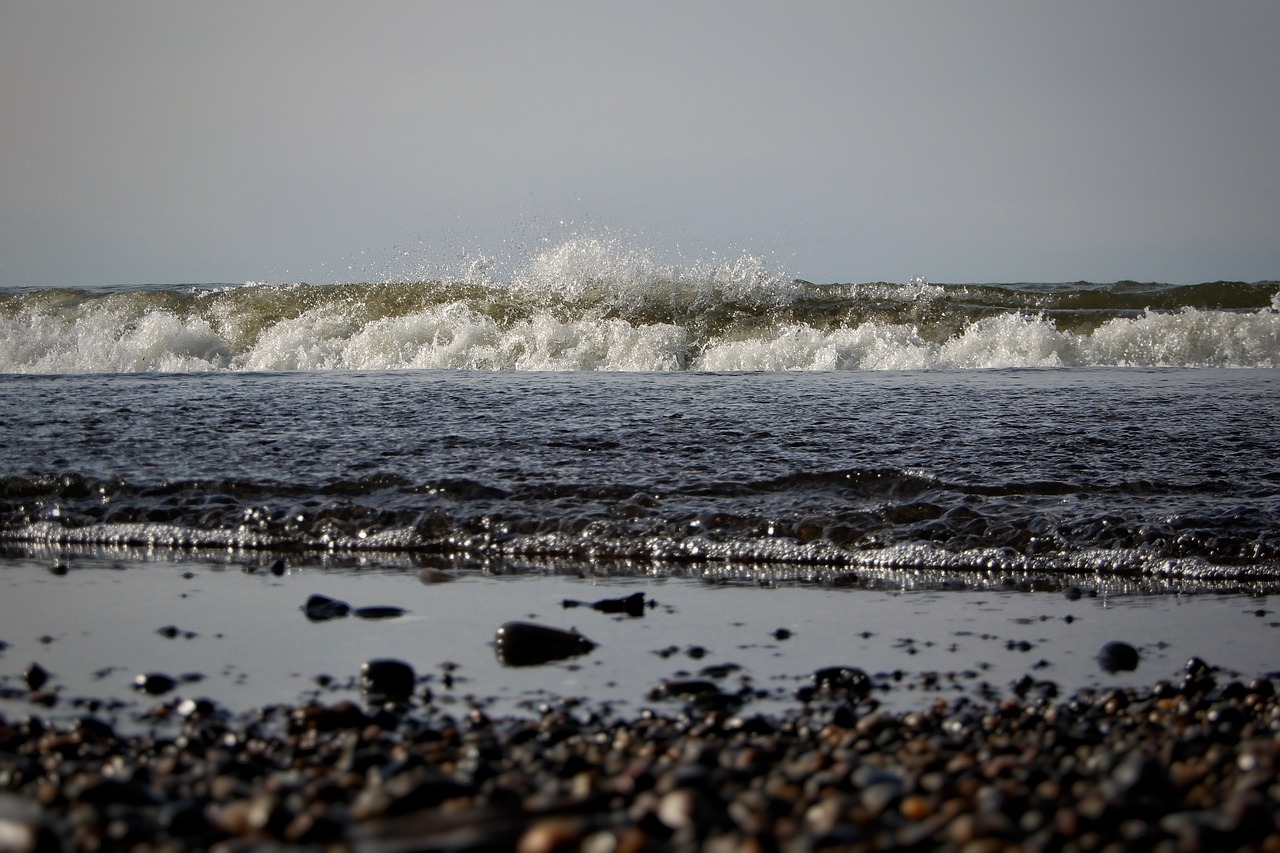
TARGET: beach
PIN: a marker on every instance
(213, 711)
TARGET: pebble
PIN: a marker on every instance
(843, 679)
(1118, 656)
(336, 777)
(35, 676)
(154, 683)
(632, 605)
(1113, 769)
(529, 644)
(320, 608)
(378, 612)
(387, 680)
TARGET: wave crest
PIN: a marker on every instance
(601, 304)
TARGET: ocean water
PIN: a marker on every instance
(597, 418)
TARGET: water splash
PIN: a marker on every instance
(603, 303)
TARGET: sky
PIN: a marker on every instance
(844, 141)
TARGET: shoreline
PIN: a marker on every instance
(727, 716)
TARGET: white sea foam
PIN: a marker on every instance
(599, 303)
(459, 336)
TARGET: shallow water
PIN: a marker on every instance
(245, 635)
(1119, 439)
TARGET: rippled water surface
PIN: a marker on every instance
(1126, 471)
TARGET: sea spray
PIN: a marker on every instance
(590, 304)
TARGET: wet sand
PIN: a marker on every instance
(738, 710)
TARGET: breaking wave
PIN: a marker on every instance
(591, 304)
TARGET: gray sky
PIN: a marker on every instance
(962, 140)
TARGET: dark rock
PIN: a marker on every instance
(154, 683)
(278, 568)
(387, 680)
(1197, 668)
(527, 644)
(59, 569)
(1262, 687)
(1197, 677)
(719, 670)
(378, 612)
(782, 634)
(320, 608)
(36, 676)
(93, 729)
(1118, 657)
(168, 631)
(843, 679)
(632, 605)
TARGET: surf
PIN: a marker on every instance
(598, 305)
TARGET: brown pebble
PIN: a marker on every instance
(915, 807)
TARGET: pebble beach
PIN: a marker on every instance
(1188, 764)
(714, 747)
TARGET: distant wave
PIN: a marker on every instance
(589, 305)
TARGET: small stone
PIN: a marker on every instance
(154, 683)
(843, 679)
(1262, 687)
(196, 707)
(387, 680)
(36, 676)
(916, 807)
(378, 612)
(632, 605)
(1197, 668)
(782, 634)
(320, 608)
(1117, 656)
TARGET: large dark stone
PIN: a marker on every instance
(387, 680)
(1118, 657)
(527, 644)
(321, 607)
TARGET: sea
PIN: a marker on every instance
(911, 477)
